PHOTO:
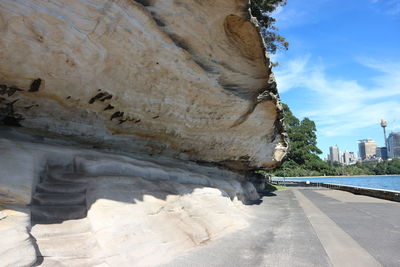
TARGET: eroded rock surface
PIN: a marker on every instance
(90, 208)
(169, 83)
(187, 79)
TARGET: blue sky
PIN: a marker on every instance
(342, 69)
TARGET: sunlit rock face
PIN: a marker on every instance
(187, 79)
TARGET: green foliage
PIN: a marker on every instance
(303, 139)
(273, 187)
(385, 167)
(302, 158)
(261, 10)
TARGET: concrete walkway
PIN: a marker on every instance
(309, 227)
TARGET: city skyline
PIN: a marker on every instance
(367, 149)
(383, 144)
(339, 74)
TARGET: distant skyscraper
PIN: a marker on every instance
(345, 157)
(328, 157)
(383, 125)
(353, 158)
(349, 158)
(367, 148)
(334, 154)
(381, 152)
(394, 145)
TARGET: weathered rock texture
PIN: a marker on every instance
(68, 206)
(168, 80)
(187, 79)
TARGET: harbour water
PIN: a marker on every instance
(377, 182)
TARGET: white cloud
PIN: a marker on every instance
(391, 7)
(287, 17)
(343, 106)
(293, 74)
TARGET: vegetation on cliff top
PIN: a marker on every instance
(262, 10)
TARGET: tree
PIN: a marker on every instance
(303, 139)
(393, 167)
(302, 157)
(262, 10)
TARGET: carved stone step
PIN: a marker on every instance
(68, 178)
(59, 199)
(59, 187)
(57, 214)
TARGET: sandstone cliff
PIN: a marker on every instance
(187, 79)
(119, 101)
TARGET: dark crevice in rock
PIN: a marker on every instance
(7, 114)
(144, 2)
(108, 107)
(179, 42)
(122, 121)
(98, 96)
(29, 107)
(102, 96)
(117, 114)
(39, 256)
(159, 22)
(230, 87)
(237, 90)
(12, 90)
(4, 89)
(205, 67)
(35, 85)
(13, 120)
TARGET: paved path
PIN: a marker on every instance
(309, 227)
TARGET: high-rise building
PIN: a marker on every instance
(349, 158)
(353, 158)
(334, 154)
(345, 157)
(394, 145)
(367, 148)
(381, 152)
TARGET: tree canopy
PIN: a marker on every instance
(302, 136)
(262, 11)
(302, 156)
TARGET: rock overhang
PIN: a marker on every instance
(186, 79)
